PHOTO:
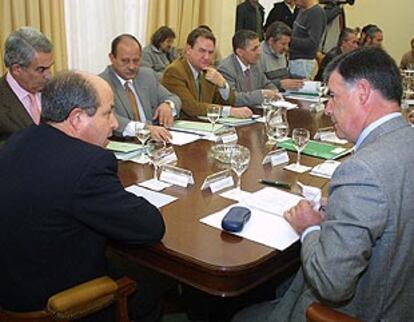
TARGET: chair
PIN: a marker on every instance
(318, 312)
(80, 301)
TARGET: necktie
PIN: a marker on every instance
(132, 102)
(34, 109)
(247, 80)
(198, 86)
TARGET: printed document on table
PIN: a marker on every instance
(272, 200)
(156, 198)
(263, 228)
(180, 138)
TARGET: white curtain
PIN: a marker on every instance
(92, 24)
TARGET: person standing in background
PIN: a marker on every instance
(250, 16)
(285, 11)
(308, 30)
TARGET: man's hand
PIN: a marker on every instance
(271, 94)
(164, 114)
(159, 133)
(291, 84)
(213, 76)
(303, 216)
(241, 112)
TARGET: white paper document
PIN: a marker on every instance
(272, 200)
(156, 198)
(154, 184)
(181, 138)
(235, 194)
(263, 228)
(297, 168)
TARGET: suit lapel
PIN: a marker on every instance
(13, 108)
(190, 75)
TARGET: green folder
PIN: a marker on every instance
(318, 149)
(190, 126)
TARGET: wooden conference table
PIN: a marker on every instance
(204, 257)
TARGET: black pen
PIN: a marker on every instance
(274, 183)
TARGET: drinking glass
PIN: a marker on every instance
(142, 133)
(156, 151)
(277, 127)
(213, 114)
(300, 138)
(239, 161)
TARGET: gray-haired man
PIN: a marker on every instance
(28, 57)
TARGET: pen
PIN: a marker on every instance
(274, 183)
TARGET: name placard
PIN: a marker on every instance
(176, 176)
(276, 157)
(228, 137)
(218, 181)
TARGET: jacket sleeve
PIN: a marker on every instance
(102, 203)
(334, 258)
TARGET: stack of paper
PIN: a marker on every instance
(125, 150)
(200, 128)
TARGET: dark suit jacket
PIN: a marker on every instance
(13, 115)
(246, 17)
(61, 201)
(281, 12)
(179, 79)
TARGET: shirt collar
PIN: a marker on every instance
(193, 70)
(20, 92)
(243, 66)
(373, 126)
(121, 80)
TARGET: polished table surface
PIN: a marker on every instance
(204, 257)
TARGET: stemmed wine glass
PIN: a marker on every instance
(239, 162)
(300, 138)
(142, 133)
(156, 151)
(213, 114)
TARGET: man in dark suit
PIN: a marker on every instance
(150, 101)
(28, 57)
(62, 200)
(250, 16)
(357, 255)
(196, 83)
(285, 11)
